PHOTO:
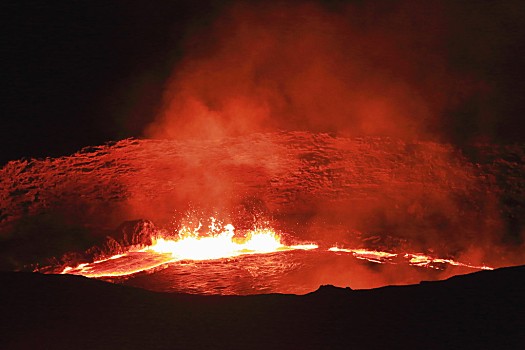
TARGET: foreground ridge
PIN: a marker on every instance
(482, 310)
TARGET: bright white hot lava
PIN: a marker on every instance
(220, 242)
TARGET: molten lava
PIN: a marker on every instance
(223, 245)
(220, 242)
(437, 263)
(223, 261)
(416, 259)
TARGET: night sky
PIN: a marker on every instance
(80, 73)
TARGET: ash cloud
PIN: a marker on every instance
(354, 69)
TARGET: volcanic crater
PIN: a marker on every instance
(459, 210)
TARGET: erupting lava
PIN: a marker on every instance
(226, 252)
(223, 245)
(221, 242)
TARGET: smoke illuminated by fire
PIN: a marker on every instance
(304, 66)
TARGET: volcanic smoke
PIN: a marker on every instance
(373, 70)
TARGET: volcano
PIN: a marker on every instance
(357, 212)
(304, 174)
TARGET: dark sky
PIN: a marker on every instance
(80, 73)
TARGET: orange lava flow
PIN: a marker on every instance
(365, 254)
(431, 262)
(417, 259)
(220, 243)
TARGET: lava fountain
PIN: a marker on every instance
(216, 244)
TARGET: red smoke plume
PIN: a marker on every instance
(381, 68)
(356, 70)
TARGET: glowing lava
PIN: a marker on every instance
(365, 254)
(434, 263)
(219, 243)
(223, 245)
(221, 260)
(417, 259)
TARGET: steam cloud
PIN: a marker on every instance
(374, 69)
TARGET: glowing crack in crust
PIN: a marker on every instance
(417, 259)
(223, 246)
